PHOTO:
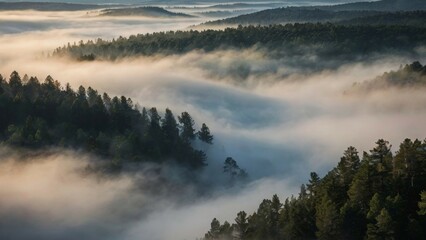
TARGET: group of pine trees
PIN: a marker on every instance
(36, 115)
(409, 76)
(381, 196)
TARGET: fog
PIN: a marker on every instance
(278, 121)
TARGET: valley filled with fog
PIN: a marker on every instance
(279, 118)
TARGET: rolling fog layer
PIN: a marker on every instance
(278, 122)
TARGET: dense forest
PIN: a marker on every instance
(291, 15)
(36, 115)
(379, 195)
(303, 15)
(409, 76)
(412, 18)
(382, 5)
(345, 13)
(324, 40)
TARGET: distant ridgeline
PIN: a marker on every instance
(47, 6)
(394, 11)
(36, 115)
(382, 196)
(323, 40)
(302, 15)
(143, 12)
(410, 76)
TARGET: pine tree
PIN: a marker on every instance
(170, 131)
(214, 232)
(15, 82)
(204, 134)
(348, 166)
(187, 127)
(327, 220)
(313, 184)
(241, 226)
(275, 217)
(422, 204)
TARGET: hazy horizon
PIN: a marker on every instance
(279, 121)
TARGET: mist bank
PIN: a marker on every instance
(50, 194)
(278, 120)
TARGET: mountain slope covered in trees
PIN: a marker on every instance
(379, 195)
(35, 115)
(301, 15)
(326, 41)
(336, 13)
(410, 76)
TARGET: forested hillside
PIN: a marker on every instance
(302, 15)
(413, 18)
(290, 15)
(350, 12)
(324, 40)
(410, 76)
(383, 5)
(379, 195)
(35, 115)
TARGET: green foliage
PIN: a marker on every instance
(187, 129)
(235, 173)
(327, 220)
(35, 115)
(219, 232)
(204, 134)
(410, 76)
(327, 41)
(380, 197)
(241, 225)
(422, 204)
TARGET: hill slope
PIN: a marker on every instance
(323, 13)
(143, 12)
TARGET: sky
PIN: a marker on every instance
(279, 122)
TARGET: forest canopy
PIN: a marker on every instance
(36, 115)
(378, 195)
(327, 41)
(409, 76)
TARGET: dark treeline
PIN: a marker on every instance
(379, 195)
(303, 15)
(413, 18)
(291, 15)
(382, 5)
(409, 76)
(36, 115)
(324, 40)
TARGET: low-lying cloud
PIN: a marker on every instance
(278, 121)
(50, 195)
